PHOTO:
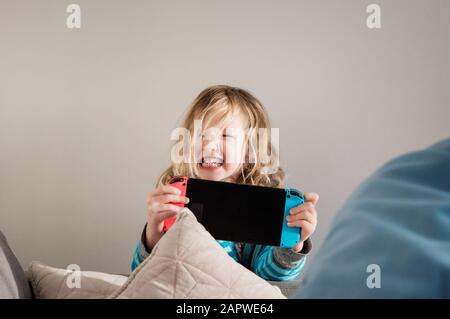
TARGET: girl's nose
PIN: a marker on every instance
(212, 144)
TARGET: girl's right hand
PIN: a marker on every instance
(158, 210)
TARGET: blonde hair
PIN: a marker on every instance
(222, 102)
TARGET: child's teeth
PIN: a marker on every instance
(211, 162)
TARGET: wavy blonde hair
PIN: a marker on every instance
(221, 102)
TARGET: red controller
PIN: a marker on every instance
(179, 182)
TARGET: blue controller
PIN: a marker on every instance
(290, 236)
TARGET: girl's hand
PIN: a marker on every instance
(304, 216)
(158, 210)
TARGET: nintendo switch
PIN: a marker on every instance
(241, 213)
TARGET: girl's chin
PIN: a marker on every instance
(211, 173)
(216, 173)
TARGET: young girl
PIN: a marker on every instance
(228, 156)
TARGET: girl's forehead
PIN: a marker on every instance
(235, 119)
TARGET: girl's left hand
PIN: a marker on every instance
(304, 216)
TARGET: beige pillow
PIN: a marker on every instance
(189, 263)
(51, 283)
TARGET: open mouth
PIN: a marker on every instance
(211, 162)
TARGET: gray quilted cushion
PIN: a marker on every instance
(189, 263)
(13, 282)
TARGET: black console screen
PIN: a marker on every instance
(237, 212)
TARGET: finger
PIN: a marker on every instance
(167, 198)
(306, 229)
(167, 207)
(311, 197)
(302, 207)
(305, 215)
(163, 189)
(150, 196)
(301, 223)
(167, 189)
(164, 215)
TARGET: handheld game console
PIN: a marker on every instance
(240, 213)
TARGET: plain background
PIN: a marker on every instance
(86, 115)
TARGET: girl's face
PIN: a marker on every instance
(222, 151)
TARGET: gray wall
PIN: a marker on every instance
(86, 115)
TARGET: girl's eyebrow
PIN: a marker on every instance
(234, 129)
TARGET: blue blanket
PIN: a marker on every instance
(392, 237)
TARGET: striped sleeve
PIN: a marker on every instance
(278, 264)
(230, 248)
(140, 251)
